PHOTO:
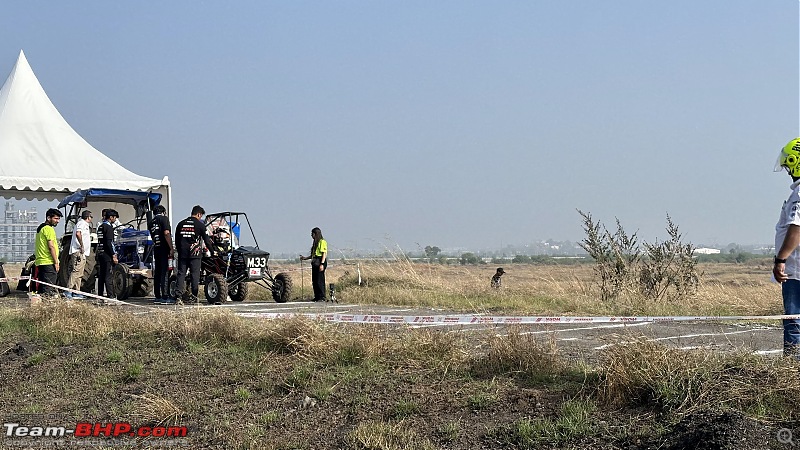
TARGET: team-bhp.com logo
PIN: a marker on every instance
(89, 429)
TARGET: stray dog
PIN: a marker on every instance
(496, 281)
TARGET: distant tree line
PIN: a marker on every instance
(433, 254)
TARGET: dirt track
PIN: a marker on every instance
(580, 340)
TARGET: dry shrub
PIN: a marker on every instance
(77, 320)
(295, 335)
(680, 381)
(156, 410)
(197, 324)
(522, 356)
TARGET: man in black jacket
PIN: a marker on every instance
(161, 233)
(190, 235)
(106, 253)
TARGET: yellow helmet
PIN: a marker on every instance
(789, 158)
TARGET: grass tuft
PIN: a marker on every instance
(386, 436)
(156, 410)
(521, 356)
(681, 382)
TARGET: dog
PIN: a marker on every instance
(496, 281)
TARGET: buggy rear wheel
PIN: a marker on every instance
(142, 287)
(121, 281)
(216, 288)
(281, 288)
(238, 293)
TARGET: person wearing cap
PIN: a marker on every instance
(46, 252)
(79, 248)
(160, 231)
(106, 253)
(496, 281)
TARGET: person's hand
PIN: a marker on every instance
(57, 265)
(115, 259)
(778, 271)
(302, 257)
(322, 267)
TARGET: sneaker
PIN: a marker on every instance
(68, 295)
(78, 297)
(167, 301)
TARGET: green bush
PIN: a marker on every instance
(665, 270)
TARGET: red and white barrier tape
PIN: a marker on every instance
(86, 295)
(7, 279)
(466, 319)
(497, 320)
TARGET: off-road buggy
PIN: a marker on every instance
(230, 267)
(133, 276)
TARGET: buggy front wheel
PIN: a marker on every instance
(216, 288)
(281, 288)
(238, 293)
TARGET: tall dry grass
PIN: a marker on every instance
(542, 289)
(680, 381)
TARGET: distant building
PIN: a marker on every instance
(706, 251)
(17, 233)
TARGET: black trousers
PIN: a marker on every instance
(161, 272)
(48, 274)
(318, 278)
(104, 265)
(193, 266)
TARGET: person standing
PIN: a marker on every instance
(190, 235)
(319, 262)
(160, 231)
(46, 251)
(106, 253)
(79, 249)
(786, 266)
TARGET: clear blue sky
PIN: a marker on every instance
(469, 124)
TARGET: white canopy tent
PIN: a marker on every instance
(43, 158)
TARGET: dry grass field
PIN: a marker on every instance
(733, 289)
(300, 384)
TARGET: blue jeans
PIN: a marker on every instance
(791, 327)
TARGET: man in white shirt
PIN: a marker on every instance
(79, 249)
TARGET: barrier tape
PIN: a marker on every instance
(498, 320)
(87, 295)
(449, 319)
(7, 279)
